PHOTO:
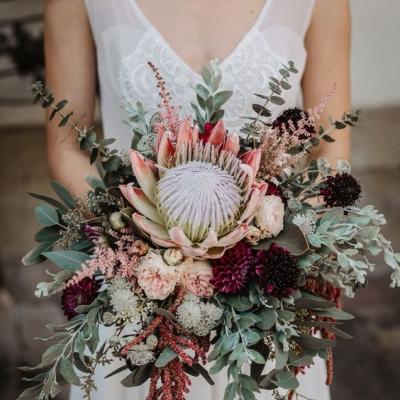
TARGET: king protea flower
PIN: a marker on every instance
(198, 197)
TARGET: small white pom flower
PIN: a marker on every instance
(324, 167)
(343, 167)
(306, 221)
(138, 358)
(189, 314)
(173, 257)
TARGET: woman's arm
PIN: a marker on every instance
(71, 74)
(328, 46)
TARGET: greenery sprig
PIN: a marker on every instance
(276, 86)
(112, 167)
(209, 98)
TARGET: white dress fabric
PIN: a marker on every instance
(126, 40)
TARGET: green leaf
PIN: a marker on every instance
(203, 372)
(221, 98)
(248, 382)
(206, 75)
(47, 199)
(46, 215)
(49, 234)
(35, 256)
(65, 120)
(67, 371)
(68, 260)
(202, 91)
(256, 357)
(31, 393)
(314, 343)
(230, 391)
(165, 313)
(165, 357)
(63, 194)
(52, 353)
(219, 365)
(80, 364)
(287, 380)
(277, 100)
(117, 371)
(261, 110)
(95, 183)
(334, 313)
(328, 139)
(268, 317)
(217, 115)
(291, 238)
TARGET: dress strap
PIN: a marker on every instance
(292, 14)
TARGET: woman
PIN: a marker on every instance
(251, 39)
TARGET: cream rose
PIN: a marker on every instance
(270, 216)
(156, 278)
(195, 277)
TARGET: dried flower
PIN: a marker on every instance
(189, 314)
(138, 358)
(294, 205)
(81, 293)
(156, 278)
(195, 276)
(295, 121)
(340, 190)
(122, 299)
(270, 216)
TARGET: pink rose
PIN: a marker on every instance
(270, 215)
(195, 277)
(156, 278)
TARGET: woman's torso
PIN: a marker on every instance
(126, 40)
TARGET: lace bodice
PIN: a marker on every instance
(126, 41)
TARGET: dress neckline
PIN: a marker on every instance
(181, 60)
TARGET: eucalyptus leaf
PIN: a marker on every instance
(46, 215)
(68, 259)
(291, 238)
(165, 357)
(35, 256)
(67, 372)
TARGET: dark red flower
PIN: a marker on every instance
(295, 115)
(340, 190)
(232, 272)
(208, 128)
(82, 293)
(279, 276)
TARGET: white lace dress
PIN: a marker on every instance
(126, 41)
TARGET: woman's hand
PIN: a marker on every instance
(328, 46)
(71, 74)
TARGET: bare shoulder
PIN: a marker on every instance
(68, 12)
(335, 12)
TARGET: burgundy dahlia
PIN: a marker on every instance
(295, 115)
(274, 190)
(340, 190)
(81, 293)
(280, 274)
(232, 272)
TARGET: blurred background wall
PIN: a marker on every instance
(367, 368)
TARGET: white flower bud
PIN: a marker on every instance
(152, 341)
(323, 167)
(116, 221)
(254, 235)
(173, 257)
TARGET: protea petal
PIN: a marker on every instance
(165, 152)
(198, 253)
(185, 135)
(217, 136)
(232, 144)
(143, 173)
(235, 236)
(210, 241)
(195, 135)
(150, 227)
(215, 253)
(252, 205)
(141, 203)
(252, 158)
(179, 237)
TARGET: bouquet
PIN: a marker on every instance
(199, 245)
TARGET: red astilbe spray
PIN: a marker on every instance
(173, 378)
(330, 293)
